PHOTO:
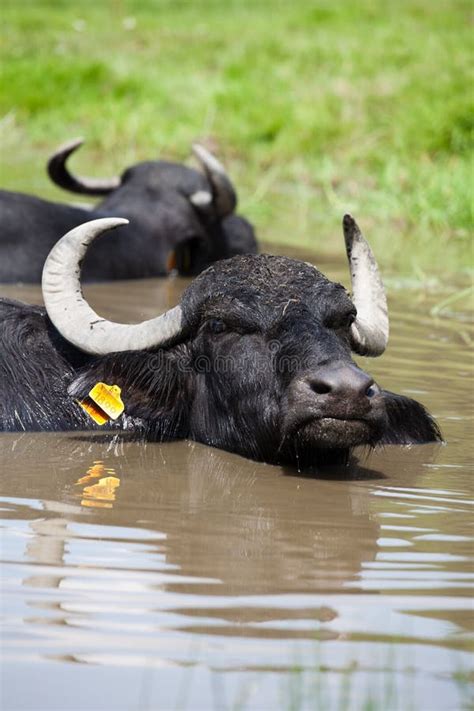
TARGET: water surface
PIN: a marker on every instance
(171, 576)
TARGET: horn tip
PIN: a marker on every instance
(198, 149)
(205, 156)
(77, 140)
(108, 223)
(71, 145)
(351, 229)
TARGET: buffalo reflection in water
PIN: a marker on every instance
(226, 525)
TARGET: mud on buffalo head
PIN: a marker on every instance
(189, 214)
(256, 359)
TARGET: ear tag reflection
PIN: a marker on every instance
(102, 493)
(103, 403)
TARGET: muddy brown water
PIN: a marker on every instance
(171, 576)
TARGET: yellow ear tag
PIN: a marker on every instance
(103, 403)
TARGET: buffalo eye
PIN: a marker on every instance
(215, 325)
(349, 319)
(341, 320)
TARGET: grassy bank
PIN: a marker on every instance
(315, 107)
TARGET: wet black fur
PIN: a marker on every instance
(154, 196)
(255, 326)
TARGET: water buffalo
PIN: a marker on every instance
(179, 218)
(256, 359)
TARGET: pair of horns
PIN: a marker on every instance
(78, 323)
(223, 195)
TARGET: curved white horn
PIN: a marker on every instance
(72, 316)
(59, 173)
(225, 198)
(369, 332)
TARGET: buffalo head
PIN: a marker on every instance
(256, 359)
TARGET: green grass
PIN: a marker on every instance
(315, 107)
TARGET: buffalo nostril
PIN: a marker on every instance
(320, 387)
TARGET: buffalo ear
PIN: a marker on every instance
(408, 422)
(129, 371)
(154, 388)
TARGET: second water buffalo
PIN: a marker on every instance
(180, 218)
